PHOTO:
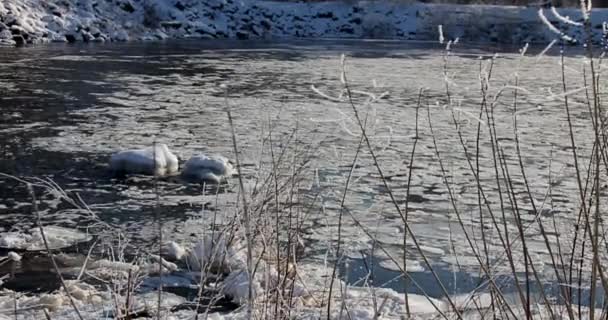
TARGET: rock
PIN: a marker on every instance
(121, 35)
(95, 32)
(57, 37)
(86, 36)
(257, 30)
(242, 35)
(3, 26)
(347, 29)
(171, 24)
(15, 29)
(207, 37)
(355, 20)
(127, 6)
(266, 24)
(71, 38)
(6, 35)
(19, 40)
(179, 6)
(11, 20)
(100, 38)
(205, 29)
(161, 35)
(325, 15)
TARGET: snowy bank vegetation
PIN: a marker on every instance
(39, 21)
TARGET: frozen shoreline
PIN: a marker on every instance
(37, 21)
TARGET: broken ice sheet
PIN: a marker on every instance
(57, 238)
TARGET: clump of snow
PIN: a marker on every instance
(204, 168)
(157, 160)
(57, 238)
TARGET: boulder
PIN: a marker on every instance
(171, 24)
(6, 35)
(86, 36)
(347, 29)
(266, 24)
(16, 29)
(179, 6)
(242, 35)
(120, 35)
(94, 31)
(70, 37)
(127, 6)
(204, 28)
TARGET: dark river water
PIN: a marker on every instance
(66, 109)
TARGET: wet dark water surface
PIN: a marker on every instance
(66, 109)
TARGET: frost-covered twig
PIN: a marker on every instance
(552, 28)
(48, 250)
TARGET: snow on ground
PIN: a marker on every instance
(39, 21)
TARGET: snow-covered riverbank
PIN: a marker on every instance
(41, 21)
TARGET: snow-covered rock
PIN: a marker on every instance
(204, 168)
(123, 20)
(158, 160)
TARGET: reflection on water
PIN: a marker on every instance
(65, 109)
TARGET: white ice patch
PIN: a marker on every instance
(57, 238)
(203, 168)
(214, 253)
(158, 160)
(13, 256)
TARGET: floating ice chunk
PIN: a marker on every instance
(15, 240)
(51, 301)
(433, 250)
(472, 301)
(152, 268)
(204, 168)
(173, 251)
(85, 292)
(411, 266)
(114, 265)
(236, 285)
(142, 161)
(265, 280)
(216, 255)
(57, 238)
(13, 256)
(393, 303)
(149, 301)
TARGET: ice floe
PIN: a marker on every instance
(203, 168)
(57, 238)
(156, 160)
